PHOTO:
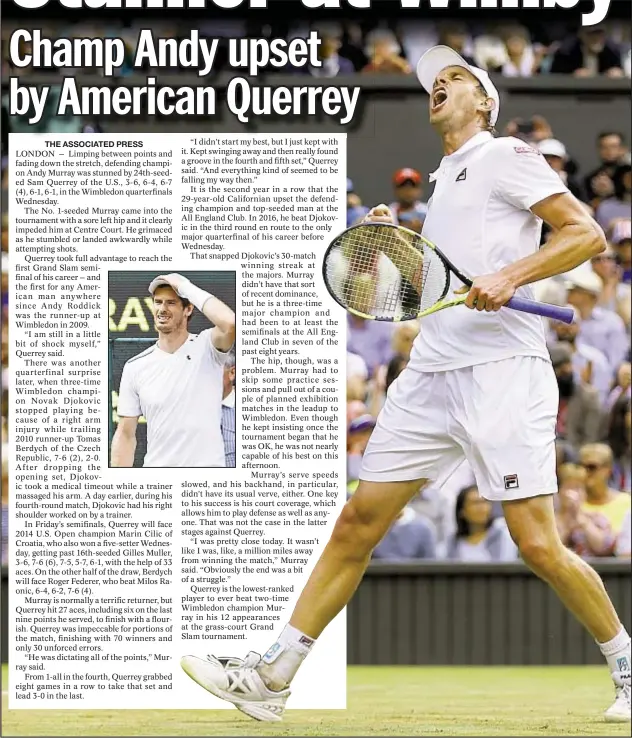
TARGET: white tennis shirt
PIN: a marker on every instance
(479, 216)
(180, 396)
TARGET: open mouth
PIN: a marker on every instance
(439, 98)
(163, 318)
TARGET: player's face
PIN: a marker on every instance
(456, 98)
(169, 313)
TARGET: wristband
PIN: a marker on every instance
(195, 295)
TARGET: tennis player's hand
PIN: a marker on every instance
(489, 293)
(379, 214)
(177, 282)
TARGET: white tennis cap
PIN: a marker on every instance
(158, 282)
(552, 147)
(438, 58)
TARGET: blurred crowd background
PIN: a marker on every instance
(591, 358)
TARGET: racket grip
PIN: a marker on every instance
(563, 314)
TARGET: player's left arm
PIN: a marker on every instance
(223, 318)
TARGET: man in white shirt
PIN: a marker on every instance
(176, 384)
(479, 386)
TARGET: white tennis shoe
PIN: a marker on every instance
(621, 708)
(237, 681)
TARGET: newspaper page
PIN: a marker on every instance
(194, 546)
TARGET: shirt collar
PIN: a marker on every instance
(477, 140)
(229, 400)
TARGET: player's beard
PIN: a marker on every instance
(172, 326)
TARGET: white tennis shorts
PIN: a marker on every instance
(500, 416)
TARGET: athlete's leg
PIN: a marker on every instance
(517, 467)
(532, 525)
(364, 520)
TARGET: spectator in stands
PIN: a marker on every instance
(600, 328)
(587, 534)
(410, 537)
(620, 235)
(615, 294)
(623, 546)
(370, 339)
(620, 441)
(601, 498)
(588, 54)
(579, 417)
(611, 149)
(620, 204)
(622, 385)
(521, 58)
(357, 377)
(352, 45)
(384, 53)
(332, 63)
(479, 537)
(358, 434)
(228, 411)
(455, 35)
(590, 366)
(5, 505)
(555, 154)
(404, 336)
(408, 207)
(355, 209)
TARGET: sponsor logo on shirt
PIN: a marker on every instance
(463, 176)
(525, 150)
(511, 481)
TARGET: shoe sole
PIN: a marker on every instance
(617, 718)
(254, 710)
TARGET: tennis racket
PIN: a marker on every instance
(382, 271)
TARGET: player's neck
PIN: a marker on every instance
(453, 139)
(171, 342)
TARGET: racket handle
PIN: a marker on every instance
(563, 314)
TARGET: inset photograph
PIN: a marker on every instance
(172, 369)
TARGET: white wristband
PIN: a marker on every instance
(195, 295)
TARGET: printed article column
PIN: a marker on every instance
(202, 541)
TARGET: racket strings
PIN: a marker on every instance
(384, 272)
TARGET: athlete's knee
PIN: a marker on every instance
(358, 529)
(541, 552)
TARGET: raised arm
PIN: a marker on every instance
(222, 317)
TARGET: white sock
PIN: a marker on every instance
(617, 653)
(280, 663)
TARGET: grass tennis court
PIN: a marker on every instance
(383, 700)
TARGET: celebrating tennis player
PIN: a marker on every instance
(479, 386)
(176, 384)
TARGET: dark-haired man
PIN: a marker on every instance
(176, 384)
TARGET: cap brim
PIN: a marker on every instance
(434, 61)
(158, 283)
